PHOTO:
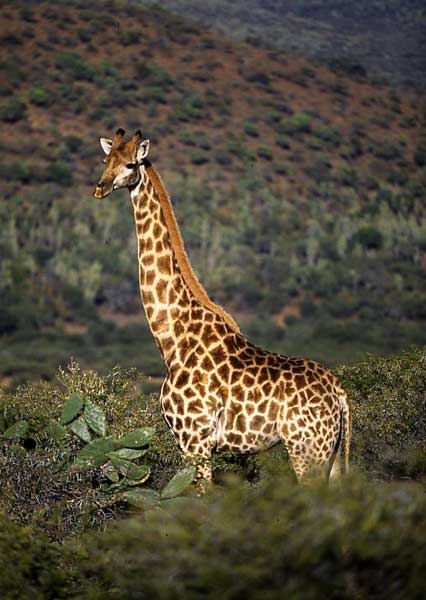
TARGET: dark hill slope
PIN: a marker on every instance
(384, 39)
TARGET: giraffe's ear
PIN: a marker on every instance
(142, 150)
(106, 145)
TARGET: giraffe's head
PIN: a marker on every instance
(123, 161)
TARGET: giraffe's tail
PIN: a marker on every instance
(346, 431)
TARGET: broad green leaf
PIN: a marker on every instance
(95, 418)
(120, 464)
(142, 498)
(129, 453)
(137, 438)
(111, 472)
(138, 474)
(57, 431)
(71, 408)
(96, 453)
(16, 431)
(179, 483)
(79, 427)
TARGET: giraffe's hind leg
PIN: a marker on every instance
(307, 463)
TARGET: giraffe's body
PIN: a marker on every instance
(221, 392)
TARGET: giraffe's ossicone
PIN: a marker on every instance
(221, 392)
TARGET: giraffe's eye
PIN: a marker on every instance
(130, 165)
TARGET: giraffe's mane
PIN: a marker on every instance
(179, 250)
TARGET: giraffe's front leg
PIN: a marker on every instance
(192, 432)
(200, 458)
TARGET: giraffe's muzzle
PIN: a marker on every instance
(102, 189)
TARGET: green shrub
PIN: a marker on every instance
(420, 154)
(408, 121)
(13, 111)
(37, 565)
(192, 109)
(414, 306)
(18, 171)
(153, 74)
(38, 480)
(347, 176)
(369, 237)
(198, 156)
(259, 77)
(283, 142)
(73, 64)
(319, 169)
(388, 398)
(73, 142)
(274, 541)
(328, 133)
(59, 172)
(298, 123)
(187, 137)
(154, 94)
(127, 38)
(38, 96)
(389, 148)
(265, 152)
(251, 129)
(314, 143)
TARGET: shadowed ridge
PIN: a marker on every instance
(180, 253)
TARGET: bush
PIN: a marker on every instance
(347, 176)
(17, 171)
(265, 152)
(276, 541)
(192, 109)
(59, 172)
(37, 566)
(369, 237)
(388, 149)
(298, 123)
(420, 154)
(128, 38)
(73, 64)
(328, 133)
(414, 306)
(388, 398)
(73, 142)
(251, 129)
(283, 142)
(154, 75)
(36, 468)
(38, 96)
(13, 111)
(198, 157)
(187, 137)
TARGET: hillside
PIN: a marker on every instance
(386, 40)
(300, 191)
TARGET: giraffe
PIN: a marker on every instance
(220, 392)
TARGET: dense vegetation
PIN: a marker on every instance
(383, 39)
(312, 181)
(71, 533)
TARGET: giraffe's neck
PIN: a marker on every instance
(169, 289)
